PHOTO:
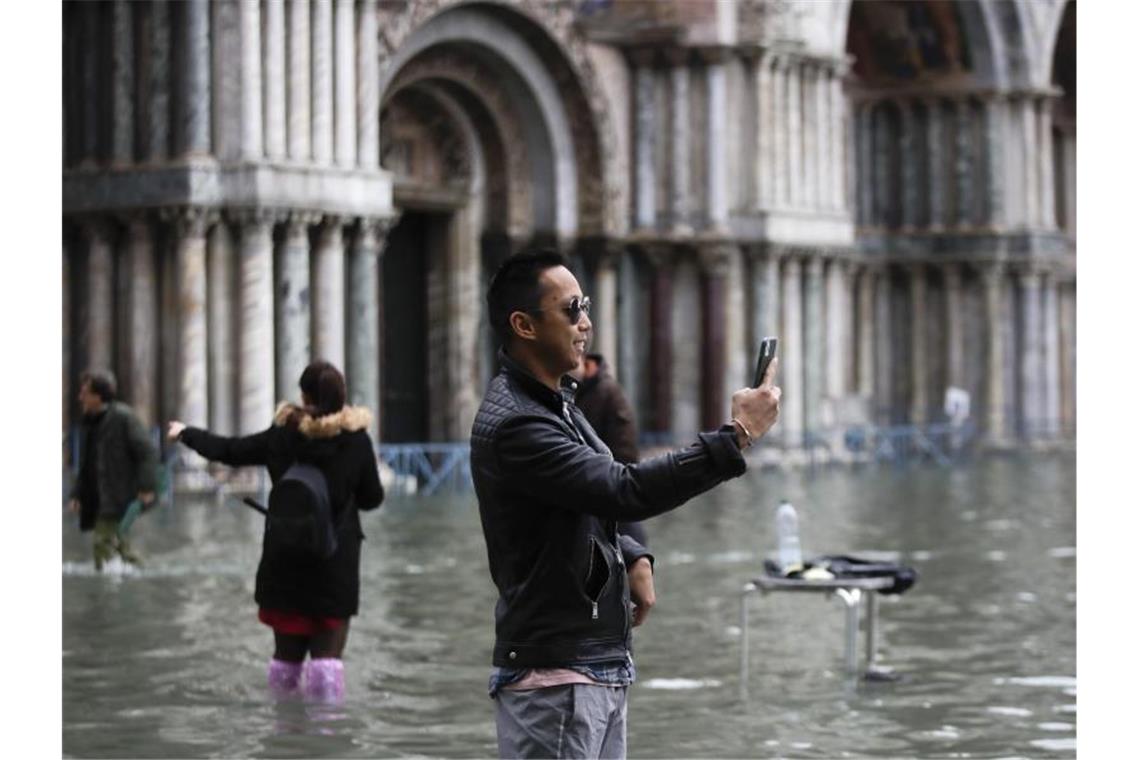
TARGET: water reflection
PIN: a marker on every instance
(170, 661)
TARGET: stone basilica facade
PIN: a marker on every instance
(888, 186)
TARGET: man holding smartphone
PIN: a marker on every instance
(550, 495)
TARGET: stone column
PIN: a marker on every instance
(251, 124)
(995, 170)
(276, 118)
(345, 80)
(780, 131)
(994, 278)
(196, 76)
(123, 84)
(813, 332)
(1051, 416)
(605, 283)
(714, 265)
(100, 290)
(765, 122)
(1028, 122)
(839, 160)
(158, 127)
(964, 163)
(716, 141)
(865, 371)
(189, 225)
(824, 160)
(363, 366)
(809, 134)
(935, 166)
(88, 53)
(837, 317)
(765, 281)
(300, 117)
(142, 360)
(1029, 283)
(865, 137)
(910, 158)
(738, 352)
(884, 385)
(792, 354)
(919, 400)
(221, 303)
(952, 277)
(794, 144)
(645, 130)
(883, 203)
(661, 338)
(679, 147)
(255, 332)
(1045, 162)
(367, 92)
(328, 293)
(322, 57)
(291, 307)
(1067, 379)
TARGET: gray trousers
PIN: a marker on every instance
(571, 721)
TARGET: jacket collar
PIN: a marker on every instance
(347, 420)
(535, 387)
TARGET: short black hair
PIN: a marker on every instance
(102, 383)
(515, 287)
(324, 384)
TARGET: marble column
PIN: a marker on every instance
(1051, 355)
(221, 303)
(142, 359)
(1068, 346)
(88, 53)
(809, 134)
(1032, 398)
(964, 163)
(367, 88)
(885, 197)
(291, 306)
(765, 282)
(345, 79)
(687, 339)
(276, 118)
(795, 143)
(158, 69)
(813, 332)
(994, 166)
(1044, 110)
(865, 173)
(322, 82)
(123, 84)
(300, 115)
(716, 142)
(910, 155)
(780, 131)
(189, 225)
(935, 165)
(680, 214)
(251, 124)
(362, 369)
(865, 370)
(838, 315)
(1069, 164)
(645, 130)
(955, 340)
(605, 284)
(765, 122)
(255, 332)
(994, 279)
(792, 354)
(328, 293)
(838, 160)
(1026, 112)
(661, 338)
(884, 360)
(714, 268)
(196, 78)
(100, 290)
(823, 161)
(919, 396)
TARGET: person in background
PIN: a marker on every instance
(608, 411)
(308, 601)
(118, 463)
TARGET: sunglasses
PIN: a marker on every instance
(574, 310)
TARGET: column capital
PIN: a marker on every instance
(301, 218)
(255, 220)
(369, 232)
(189, 221)
(677, 56)
(711, 55)
(642, 56)
(813, 265)
(713, 256)
(661, 255)
(993, 272)
(952, 274)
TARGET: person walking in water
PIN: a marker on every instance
(117, 464)
(306, 600)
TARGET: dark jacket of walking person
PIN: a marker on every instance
(550, 495)
(118, 463)
(308, 601)
(608, 411)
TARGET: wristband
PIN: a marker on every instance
(744, 430)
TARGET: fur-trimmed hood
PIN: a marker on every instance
(348, 420)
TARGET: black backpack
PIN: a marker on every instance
(299, 519)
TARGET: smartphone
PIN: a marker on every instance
(767, 353)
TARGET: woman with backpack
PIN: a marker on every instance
(305, 598)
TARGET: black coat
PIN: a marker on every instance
(550, 495)
(604, 403)
(340, 446)
(126, 463)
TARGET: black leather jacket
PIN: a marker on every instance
(550, 495)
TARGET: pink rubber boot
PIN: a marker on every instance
(324, 679)
(284, 678)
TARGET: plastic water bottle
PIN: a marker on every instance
(788, 537)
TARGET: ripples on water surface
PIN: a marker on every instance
(171, 661)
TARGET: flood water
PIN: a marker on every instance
(170, 661)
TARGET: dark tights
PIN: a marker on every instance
(327, 643)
